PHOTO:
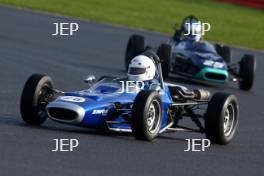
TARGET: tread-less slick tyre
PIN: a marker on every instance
(164, 53)
(247, 72)
(36, 94)
(135, 46)
(225, 52)
(221, 118)
(146, 115)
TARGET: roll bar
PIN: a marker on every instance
(151, 54)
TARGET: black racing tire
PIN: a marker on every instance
(164, 53)
(221, 118)
(224, 52)
(147, 103)
(35, 96)
(247, 69)
(135, 46)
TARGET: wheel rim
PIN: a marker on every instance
(45, 94)
(153, 119)
(229, 119)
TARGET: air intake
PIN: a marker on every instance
(215, 76)
(62, 114)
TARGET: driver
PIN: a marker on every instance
(189, 36)
(194, 30)
(142, 68)
(191, 29)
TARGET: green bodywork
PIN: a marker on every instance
(202, 73)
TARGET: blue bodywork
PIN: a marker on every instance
(105, 102)
(198, 59)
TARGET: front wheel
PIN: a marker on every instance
(36, 94)
(247, 72)
(146, 115)
(221, 118)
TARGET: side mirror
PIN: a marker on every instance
(90, 79)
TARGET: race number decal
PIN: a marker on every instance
(72, 99)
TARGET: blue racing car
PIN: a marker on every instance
(140, 103)
(192, 57)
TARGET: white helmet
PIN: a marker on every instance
(141, 68)
(196, 29)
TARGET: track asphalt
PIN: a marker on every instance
(27, 46)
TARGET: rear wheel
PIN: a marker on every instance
(135, 46)
(164, 53)
(36, 94)
(221, 118)
(224, 52)
(247, 72)
(146, 115)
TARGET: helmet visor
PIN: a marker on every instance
(136, 71)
